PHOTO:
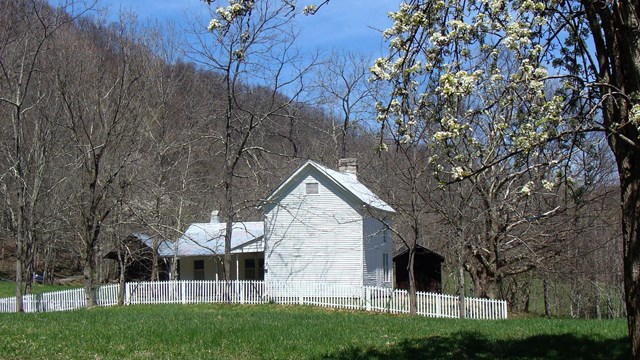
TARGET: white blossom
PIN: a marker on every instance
(443, 135)
(526, 189)
(214, 24)
(458, 173)
(309, 9)
(547, 185)
(634, 115)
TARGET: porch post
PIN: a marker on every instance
(237, 268)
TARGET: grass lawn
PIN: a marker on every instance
(280, 332)
(8, 288)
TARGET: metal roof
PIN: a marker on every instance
(205, 239)
(164, 246)
(351, 184)
(419, 250)
(347, 182)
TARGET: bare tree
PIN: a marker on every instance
(102, 95)
(250, 46)
(345, 95)
(27, 35)
(168, 133)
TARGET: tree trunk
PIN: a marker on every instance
(227, 243)
(547, 300)
(87, 272)
(47, 273)
(228, 212)
(615, 27)
(630, 193)
(28, 265)
(463, 310)
(413, 306)
(484, 286)
(21, 220)
(121, 283)
(154, 262)
(19, 293)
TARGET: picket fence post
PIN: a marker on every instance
(300, 294)
(367, 297)
(504, 309)
(127, 293)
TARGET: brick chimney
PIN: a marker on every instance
(348, 166)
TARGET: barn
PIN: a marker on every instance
(427, 267)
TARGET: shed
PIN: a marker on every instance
(139, 257)
(427, 267)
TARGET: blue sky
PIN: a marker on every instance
(340, 25)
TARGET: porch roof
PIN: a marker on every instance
(206, 239)
(164, 246)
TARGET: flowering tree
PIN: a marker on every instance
(447, 69)
(500, 222)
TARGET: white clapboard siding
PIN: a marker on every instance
(374, 246)
(339, 296)
(315, 238)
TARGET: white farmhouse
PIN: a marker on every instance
(323, 225)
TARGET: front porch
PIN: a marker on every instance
(244, 266)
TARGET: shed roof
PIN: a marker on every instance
(419, 250)
(205, 239)
(347, 182)
(164, 246)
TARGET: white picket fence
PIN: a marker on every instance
(260, 292)
(72, 299)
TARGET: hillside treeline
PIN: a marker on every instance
(107, 128)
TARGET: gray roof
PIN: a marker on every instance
(205, 239)
(164, 246)
(347, 182)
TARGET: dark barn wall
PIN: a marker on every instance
(427, 267)
(140, 264)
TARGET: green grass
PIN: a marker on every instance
(8, 288)
(279, 332)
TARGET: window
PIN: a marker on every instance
(311, 188)
(386, 268)
(251, 272)
(250, 269)
(198, 269)
(260, 274)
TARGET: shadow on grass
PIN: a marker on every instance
(471, 345)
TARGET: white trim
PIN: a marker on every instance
(386, 268)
